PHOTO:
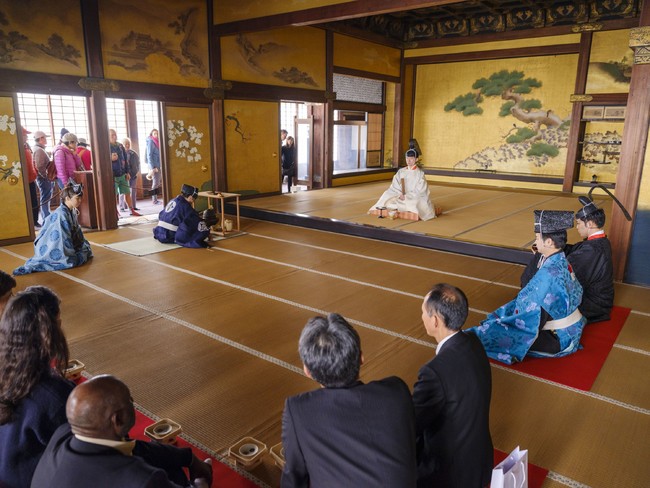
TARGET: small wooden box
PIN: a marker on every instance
(74, 369)
(277, 453)
(164, 431)
(248, 452)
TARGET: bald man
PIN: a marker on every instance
(93, 449)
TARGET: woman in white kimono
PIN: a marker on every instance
(408, 192)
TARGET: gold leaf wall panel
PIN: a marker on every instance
(155, 41)
(353, 53)
(12, 172)
(234, 10)
(189, 147)
(46, 38)
(453, 140)
(252, 146)
(292, 57)
(610, 62)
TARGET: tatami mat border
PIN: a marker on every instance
(284, 364)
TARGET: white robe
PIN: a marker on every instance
(417, 198)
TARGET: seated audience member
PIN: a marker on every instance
(7, 285)
(543, 320)
(346, 433)
(452, 398)
(93, 450)
(33, 390)
(591, 260)
(409, 191)
(179, 223)
(61, 243)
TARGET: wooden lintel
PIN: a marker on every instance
(331, 13)
(524, 52)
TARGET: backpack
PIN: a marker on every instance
(50, 170)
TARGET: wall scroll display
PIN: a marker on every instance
(593, 112)
(614, 112)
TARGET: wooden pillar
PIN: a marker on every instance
(102, 167)
(102, 164)
(217, 93)
(572, 170)
(328, 112)
(633, 148)
(398, 111)
(220, 182)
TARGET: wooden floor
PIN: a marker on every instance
(490, 216)
(209, 339)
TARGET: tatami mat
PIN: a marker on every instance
(208, 337)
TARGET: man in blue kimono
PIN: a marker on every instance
(591, 260)
(543, 320)
(179, 223)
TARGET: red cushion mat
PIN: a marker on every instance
(536, 475)
(222, 475)
(578, 370)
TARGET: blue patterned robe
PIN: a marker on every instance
(179, 223)
(60, 244)
(508, 333)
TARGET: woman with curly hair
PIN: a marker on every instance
(33, 390)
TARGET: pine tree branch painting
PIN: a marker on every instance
(512, 86)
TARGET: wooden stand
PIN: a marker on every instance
(221, 197)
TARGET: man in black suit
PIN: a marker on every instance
(452, 398)
(94, 451)
(346, 433)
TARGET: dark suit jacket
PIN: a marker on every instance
(452, 410)
(359, 436)
(71, 463)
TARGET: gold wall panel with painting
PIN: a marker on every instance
(293, 56)
(155, 41)
(252, 146)
(189, 147)
(46, 38)
(462, 121)
(610, 62)
(15, 223)
(353, 53)
(234, 10)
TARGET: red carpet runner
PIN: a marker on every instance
(581, 369)
(223, 475)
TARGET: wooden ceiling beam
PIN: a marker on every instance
(332, 13)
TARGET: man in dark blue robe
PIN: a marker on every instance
(179, 223)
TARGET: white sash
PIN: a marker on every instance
(563, 323)
(168, 226)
